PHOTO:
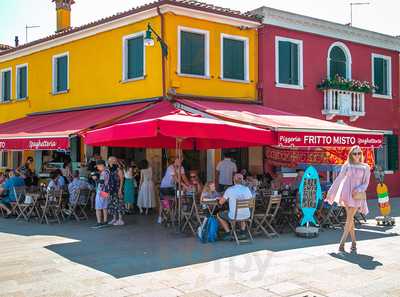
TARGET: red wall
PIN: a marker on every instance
(381, 114)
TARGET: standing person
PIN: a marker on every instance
(352, 179)
(169, 181)
(67, 169)
(225, 171)
(146, 198)
(26, 172)
(129, 188)
(102, 194)
(116, 206)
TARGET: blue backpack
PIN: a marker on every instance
(208, 231)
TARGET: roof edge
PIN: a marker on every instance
(290, 20)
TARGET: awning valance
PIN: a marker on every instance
(52, 131)
(290, 130)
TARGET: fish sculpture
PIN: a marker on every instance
(310, 194)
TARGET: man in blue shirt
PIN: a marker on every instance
(7, 191)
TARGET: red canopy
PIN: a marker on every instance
(52, 130)
(162, 123)
(290, 130)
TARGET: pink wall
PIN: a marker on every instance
(381, 114)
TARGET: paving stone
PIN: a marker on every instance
(254, 293)
(309, 294)
(202, 293)
(170, 292)
(285, 288)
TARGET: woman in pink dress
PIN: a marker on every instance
(353, 177)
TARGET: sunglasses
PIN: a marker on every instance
(193, 176)
(356, 154)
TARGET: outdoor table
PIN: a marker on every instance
(210, 205)
(287, 214)
(34, 207)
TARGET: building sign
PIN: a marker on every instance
(55, 143)
(315, 139)
(291, 157)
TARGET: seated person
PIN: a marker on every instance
(7, 188)
(236, 192)
(195, 184)
(53, 184)
(75, 185)
(61, 180)
(277, 182)
(209, 193)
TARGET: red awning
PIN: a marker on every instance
(290, 129)
(52, 131)
(162, 124)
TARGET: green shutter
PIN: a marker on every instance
(62, 74)
(284, 62)
(288, 63)
(22, 82)
(234, 59)
(378, 76)
(6, 86)
(135, 57)
(294, 64)
(192, 53)
(393, 152)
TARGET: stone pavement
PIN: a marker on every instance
(147, 260)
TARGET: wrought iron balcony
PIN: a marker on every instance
(343, 103)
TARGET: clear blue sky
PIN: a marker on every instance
(381, 15)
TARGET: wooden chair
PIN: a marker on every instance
(243, 204)
(263, 220)
(190, 214)
(21, 208)
(52, 207)
(81, 199)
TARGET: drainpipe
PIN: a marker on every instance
(162, 56)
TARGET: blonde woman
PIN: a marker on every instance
(352, 179)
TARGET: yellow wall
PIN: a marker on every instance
(95, 65)
(95, 70)
(214, 86)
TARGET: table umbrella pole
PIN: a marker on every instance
(179, 192)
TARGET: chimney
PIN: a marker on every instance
(63, 8)
(16, 41)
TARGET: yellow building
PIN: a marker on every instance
(211, 52)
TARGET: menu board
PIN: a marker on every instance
(309, 193)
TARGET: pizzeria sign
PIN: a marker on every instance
(315, 139)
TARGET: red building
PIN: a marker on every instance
(298, 52)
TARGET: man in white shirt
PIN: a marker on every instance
(232, 194)
(225, 171)
(170, 179)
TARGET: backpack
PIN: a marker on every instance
(208, 230)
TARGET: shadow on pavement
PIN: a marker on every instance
(364, 261)
(144, 246)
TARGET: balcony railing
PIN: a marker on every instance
(343, 103)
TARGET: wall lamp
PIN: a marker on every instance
(149, 41)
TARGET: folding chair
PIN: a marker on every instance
(263, 221)
(52, 207)
(190, 214)
(21, 208)
(243, 204)
(77, 209)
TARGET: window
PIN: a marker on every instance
(22, 81)
(289, 62)
(133, 56)
(60, 73)
(339, 61)
(387, 155)
(5, 80)
(3, 159)
(382, 75)
(193, 52)
(234, 57)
